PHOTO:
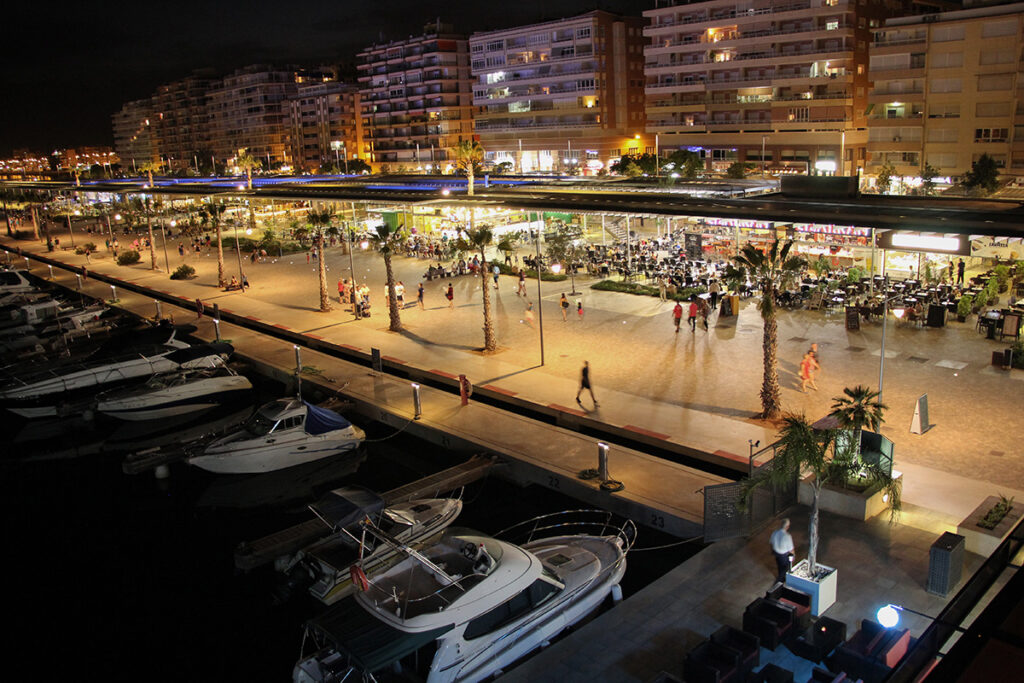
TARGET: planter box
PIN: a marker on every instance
(822, 592)
(985, 541)
(862, 505)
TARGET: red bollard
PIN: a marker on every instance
(465, 389)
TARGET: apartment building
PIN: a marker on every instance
(946, 92)
(182, 121)
(249, 109)
(136, 138)
(326, 125)
(781, 84)
(564, 95)
(416, 99)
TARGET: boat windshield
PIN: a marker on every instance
(259, 424)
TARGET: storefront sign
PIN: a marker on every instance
(934, 244)
(830, 229)
(737, 223)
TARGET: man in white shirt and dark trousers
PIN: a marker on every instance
(782, 548)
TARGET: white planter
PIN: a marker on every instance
(985, 541)
(822, 591)
(845, 503)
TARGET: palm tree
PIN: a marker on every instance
(5, 194)
(151, 206)
(151, 167)
(212, 212)
(803, 449)
(247, 163)
(859, 408)
(478, 239)
(386, 241)
(467, 154)
(770, 272)
(320, 220)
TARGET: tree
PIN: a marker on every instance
(467, 155)
(151, 206)
(320, 220)
(803, 449)
(247, 163)
(739, 169)
(769, 272)
(358, 166)
(212, 212)
(859, 407)
(983, 176)
(387, 241)
(6, 194)
(885, 176)
(151, 167)
(643, 163)
(478, 239)
(565, 247)
(928, 173)
(687, 164)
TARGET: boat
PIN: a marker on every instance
(479, 602)
(59, 390)
(326, 564)
(15, 282)
(180, 393)
(282, 433)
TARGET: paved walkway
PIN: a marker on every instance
(698, 387)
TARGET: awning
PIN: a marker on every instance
(345, 506)
(366, 642)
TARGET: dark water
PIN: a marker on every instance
(124, 578)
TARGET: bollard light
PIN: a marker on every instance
(51, 270)
(79, 277)
(26, 264)
(602, 461)
(113, 293)
(160, 313)
(416, 406)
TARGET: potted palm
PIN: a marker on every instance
(822, 459)
(963, 307)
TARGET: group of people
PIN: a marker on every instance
(698, 306)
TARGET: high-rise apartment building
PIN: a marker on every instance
(735, 79)
(136, 138)
(564, 95)
(946, 91)
(326, 125)
(249, 109)
(182, 120)
(416, 98)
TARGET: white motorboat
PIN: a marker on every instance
(59, 390)
(15, 282)
(280, 434)
(174, 394)
(484, 603)
(328, 562)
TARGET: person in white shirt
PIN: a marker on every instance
(782, 548)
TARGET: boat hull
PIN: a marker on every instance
(253, 458)
(192, 397)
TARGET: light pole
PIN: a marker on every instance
(885, 318)
(763, 139)
(540, 307)
(163, 233)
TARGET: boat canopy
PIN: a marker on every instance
(200, 351)
(345, 506)
(321, 420)
(367, 643)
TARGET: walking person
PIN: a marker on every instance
(692, 317)
(782, 548)
(563, 304)
(199, 309)
(450, 295)
(579, 308)
(704, 311)
(960, 267)
(714, 288)
(662, 287)
(807, 373)
(529, 314)
(497, 271)
(419, 296)
(585, 384)
(341, 290)
(677, 315)
(522, 283)
(814, 362)
(400, 294)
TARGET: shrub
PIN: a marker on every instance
(127, 257)
(1017, 352)
(530, 272)
(184, 272)
(90, 247)
(1002, 278)
(963, 307)
(645, 290)
(996, 513)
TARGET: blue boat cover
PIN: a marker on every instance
(321, 420)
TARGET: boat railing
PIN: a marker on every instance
(572, 522)
(429, 602)
(73, 367)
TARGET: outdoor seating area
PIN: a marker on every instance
(782, 619)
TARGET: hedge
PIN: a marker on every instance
(645, 290)
(184, 272)
(530, 272)
(126, 258)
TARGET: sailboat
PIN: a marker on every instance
(482, 603)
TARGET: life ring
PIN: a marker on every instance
(358, 577)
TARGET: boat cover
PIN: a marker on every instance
(321, 420)
(366, 642)
(347, 505)
(200, 351)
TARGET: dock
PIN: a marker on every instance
(261, 551)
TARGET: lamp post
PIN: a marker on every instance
(881, 354)
(163, 234)
(540, 307)
(764, 138)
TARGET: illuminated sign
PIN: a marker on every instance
(830, 229)
(929, 242)
(738, 223)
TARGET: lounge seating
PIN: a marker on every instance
(771, 621)
(798, 600)
(747, 645)
(871, 652)
(710, 662)
(771, 673)
(819, 640)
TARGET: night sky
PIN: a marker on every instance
(67, 68)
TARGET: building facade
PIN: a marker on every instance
(136, 134)
(416, 99)
(946, 91)
(326, 125)
(779, 84)
(563, 95)
(182, 120)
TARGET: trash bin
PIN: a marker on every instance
(945, 564)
